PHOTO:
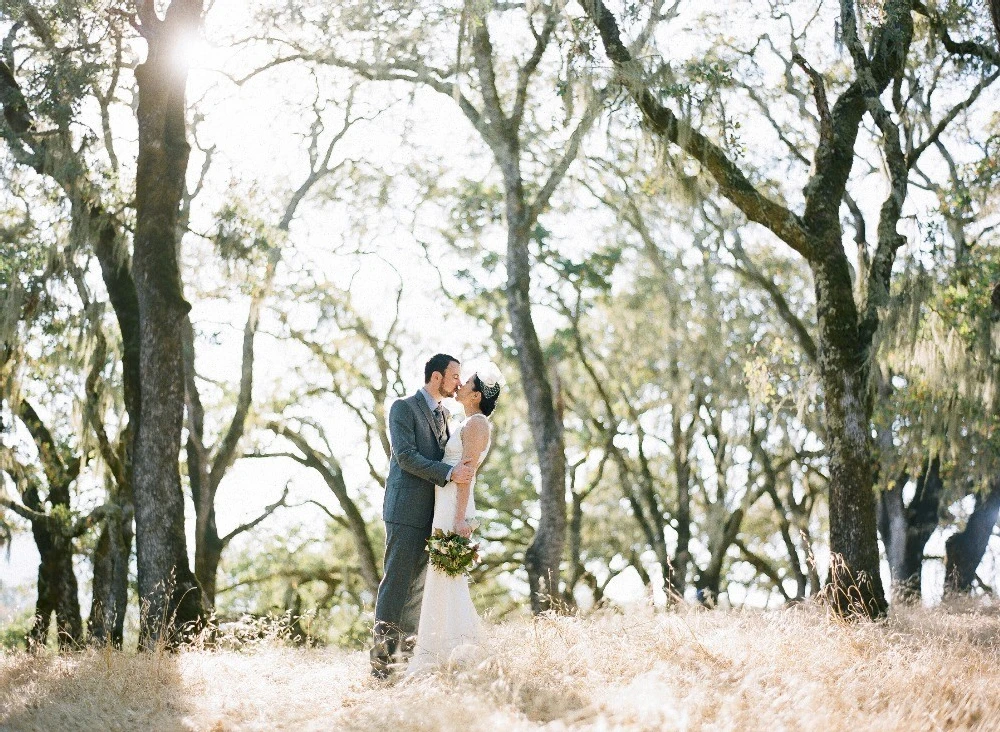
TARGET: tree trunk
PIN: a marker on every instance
(169, 594)
(109, 601)
(649, 516)
(111, 560)
(575, 548)
(113, 550)
(57, 585)
(206, 563)
(58, 591)
(542, 558)
(676, 571)
(709, 581)
(964, 550)
(854, 582)
(502, 133)
(207, 544)
(116, 271)
(906, 529)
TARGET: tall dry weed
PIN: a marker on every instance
(789, 669)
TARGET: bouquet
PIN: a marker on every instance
(452, 553)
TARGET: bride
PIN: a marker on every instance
(449, 625)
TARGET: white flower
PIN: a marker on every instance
(491, 376)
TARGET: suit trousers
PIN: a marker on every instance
(397, 606)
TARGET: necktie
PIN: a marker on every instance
(439, 421)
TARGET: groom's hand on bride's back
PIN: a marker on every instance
(463, 472)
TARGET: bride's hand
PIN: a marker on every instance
(463, 528)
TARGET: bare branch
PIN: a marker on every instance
(321, 170)
(264, 514)
(558, 172)
(329, 469)
(226, 453)
(935, 134)
(752, 272)
(339, 520)
(763, 566)
(525, 72)
(819, 92)
(482, 52)
(273, 63)
(416, 73)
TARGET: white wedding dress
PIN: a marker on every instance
(449, 629)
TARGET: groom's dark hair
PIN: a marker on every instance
(439, 362)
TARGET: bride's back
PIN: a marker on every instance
(446, 496)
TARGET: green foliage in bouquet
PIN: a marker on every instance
(452, 553)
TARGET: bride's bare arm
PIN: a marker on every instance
(475, 435)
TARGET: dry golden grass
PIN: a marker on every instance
(792, 669)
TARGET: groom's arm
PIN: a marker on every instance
(404, 447)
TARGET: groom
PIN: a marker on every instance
(418, 431)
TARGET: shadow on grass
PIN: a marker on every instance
(91, 690)
(959, 621)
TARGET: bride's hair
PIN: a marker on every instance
(490, 394)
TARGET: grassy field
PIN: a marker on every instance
(789, 669)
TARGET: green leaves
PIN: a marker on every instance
(592, 272)
(965, 303)
(478, 205)
(242, 236)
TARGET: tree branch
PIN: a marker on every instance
(889, 240)
(755, 275)
(415, 73)
(959, 48)
(819, 92)
(226, 453)
(328, 467)
(58, 472)
(250, 524)
(732, 181)
(558, 172)
(762, 566)
(15, 107)
(91, 409)
(935, 134)
(525, 72)
(339, 520)
(26, 513)
(83, 524)
(482, 53)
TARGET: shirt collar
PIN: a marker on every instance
(431, 401)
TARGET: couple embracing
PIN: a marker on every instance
(421, 610)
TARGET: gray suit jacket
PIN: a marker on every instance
(415, 465)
